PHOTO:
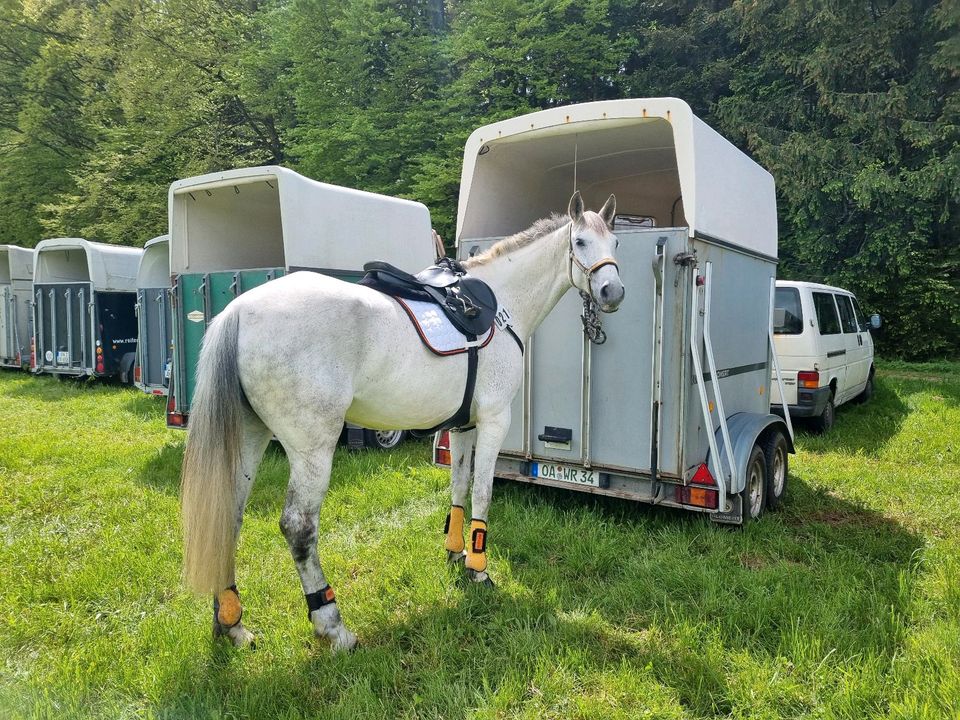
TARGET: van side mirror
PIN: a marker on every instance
(875, 322)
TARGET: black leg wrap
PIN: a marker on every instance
(316, 600)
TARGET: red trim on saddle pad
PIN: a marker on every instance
(413, 318)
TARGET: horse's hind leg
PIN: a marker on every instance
(461, 468)
(227, 612)
(309, 480)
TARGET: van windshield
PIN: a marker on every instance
(787, 313)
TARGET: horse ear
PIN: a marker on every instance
(575, 208)
(609, 210)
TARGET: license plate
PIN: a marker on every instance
(63, 358)
(565, 473)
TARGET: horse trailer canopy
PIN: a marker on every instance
(268, 217)
(154, 322)
(84, 297)
(232, 231)
(16, 293)
(663, 400)
(660, 160)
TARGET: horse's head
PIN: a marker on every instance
(593, 267)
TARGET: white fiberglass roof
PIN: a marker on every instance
(16, 263)
(654, 154)
(273, 217)
(110, 268)
(154, 269)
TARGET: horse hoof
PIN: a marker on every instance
(241, 637)
(345, 641)
(481, 578)
(456, 558)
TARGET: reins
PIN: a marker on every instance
(592, 324)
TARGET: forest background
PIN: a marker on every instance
(853, 106)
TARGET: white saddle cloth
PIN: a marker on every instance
(436, 330)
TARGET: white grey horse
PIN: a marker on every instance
(299, 356)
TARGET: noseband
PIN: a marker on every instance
(587, 271)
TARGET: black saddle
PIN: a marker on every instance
(469, 302)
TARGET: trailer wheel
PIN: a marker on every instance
(753, 495)
(775, 452)
(383, 439)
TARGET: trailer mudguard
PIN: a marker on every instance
(744, 430)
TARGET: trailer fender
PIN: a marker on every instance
(745, 429)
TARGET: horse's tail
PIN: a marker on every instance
(208, 490)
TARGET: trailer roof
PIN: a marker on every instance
(657, 157)
(110, 268)
(154, 268)
(271, 216)
(19, 262)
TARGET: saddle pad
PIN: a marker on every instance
(436, 330)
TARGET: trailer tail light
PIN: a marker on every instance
(99, 365)
(697, 496)
(441, 449)
(33, 353)
(808, 379)
(136, 373)
(174, 419)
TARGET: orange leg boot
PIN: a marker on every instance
(477, 552)
(454, 530)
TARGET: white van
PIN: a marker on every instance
(825, 349)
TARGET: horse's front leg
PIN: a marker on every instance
(461, 467)
(490, 434)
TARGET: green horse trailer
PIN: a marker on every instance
(84, 297)
(234, 230)
(16, 317)
(151, 373)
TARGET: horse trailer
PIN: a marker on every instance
(673, 408)
(16, 293)
(151, 372)
(234, 230)
(83, 301)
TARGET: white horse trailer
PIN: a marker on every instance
(151, 373)
(234, 230)
(674, 407)
(16, 293)
(84, 296)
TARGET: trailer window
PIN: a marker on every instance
(787, 313)
(846, 314)
(827, 317)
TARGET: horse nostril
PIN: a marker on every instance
(605, 290)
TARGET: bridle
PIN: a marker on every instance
(592, 325)
(587, 271)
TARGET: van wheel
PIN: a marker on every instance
(775, 454)
(824, 422)
(867, 390)
(754, 493)
(383, 439)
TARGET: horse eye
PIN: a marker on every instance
(580, 242)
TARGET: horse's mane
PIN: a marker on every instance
(543, 226)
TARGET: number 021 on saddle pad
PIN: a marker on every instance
(451, 311)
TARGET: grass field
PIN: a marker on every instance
(846, 604)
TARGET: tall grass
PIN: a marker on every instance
(845, 604)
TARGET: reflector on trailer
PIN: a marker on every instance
(702, 476)
(441, 449)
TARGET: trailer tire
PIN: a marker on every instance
(383, 439)
(753, 495)
(775, 452)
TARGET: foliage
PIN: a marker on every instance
(855, 108)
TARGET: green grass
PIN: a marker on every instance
(844, 605)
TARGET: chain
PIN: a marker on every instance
(592, 324)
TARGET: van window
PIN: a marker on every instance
(787, 314)
(847, 317)
(864, 326)
(827, 317)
